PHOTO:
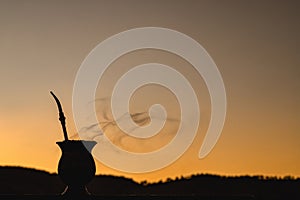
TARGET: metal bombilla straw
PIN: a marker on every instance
(62, 117)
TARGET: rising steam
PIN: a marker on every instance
(107, 122)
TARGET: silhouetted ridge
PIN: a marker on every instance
(17, 180)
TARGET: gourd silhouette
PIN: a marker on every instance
(76, 166)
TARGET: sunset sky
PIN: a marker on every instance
(255, 45)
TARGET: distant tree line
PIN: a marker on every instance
(17, 180)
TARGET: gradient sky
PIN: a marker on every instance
(255, 45)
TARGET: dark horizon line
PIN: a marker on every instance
(168, 179)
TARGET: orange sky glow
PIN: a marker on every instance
(254, 44)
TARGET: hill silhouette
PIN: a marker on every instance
(19, 181)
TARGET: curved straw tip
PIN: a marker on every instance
(53, 95)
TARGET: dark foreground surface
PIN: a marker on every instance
(152, 197)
